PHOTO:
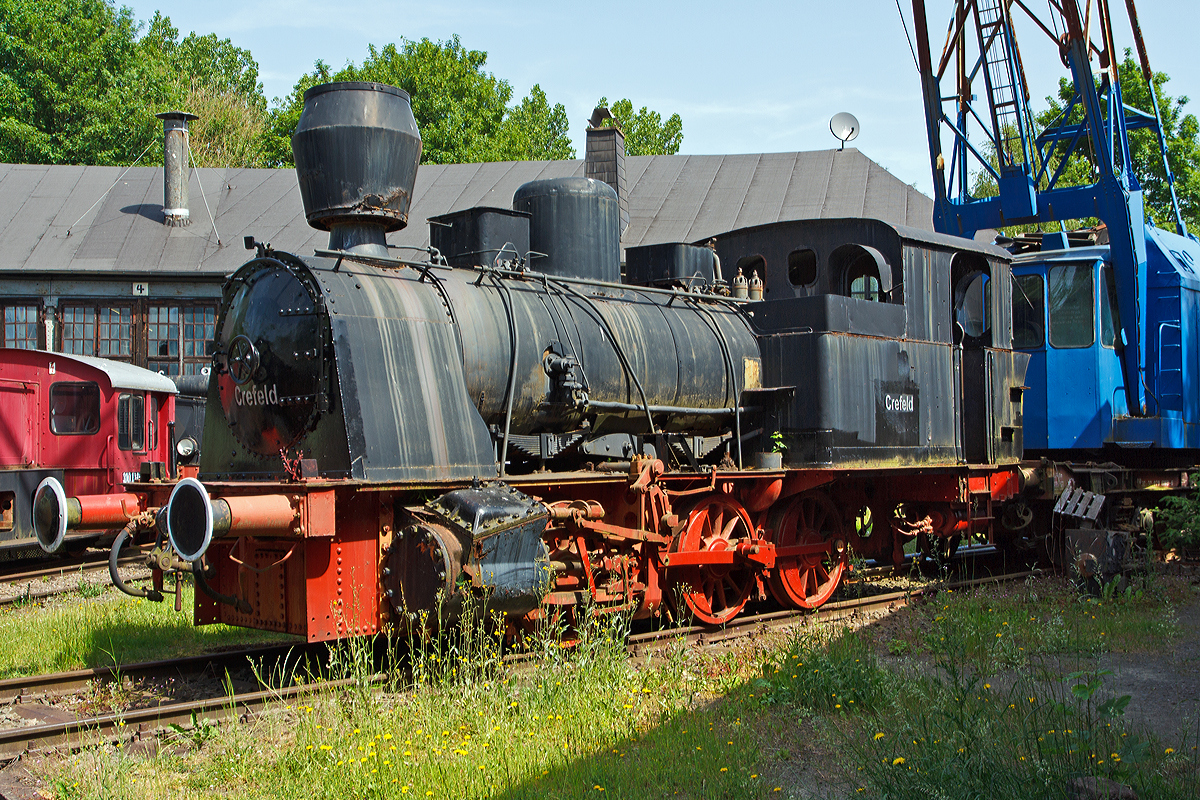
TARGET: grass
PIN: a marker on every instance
(997, 694)
(961, 713)
(106, 629)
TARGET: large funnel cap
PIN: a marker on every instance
(356, 148)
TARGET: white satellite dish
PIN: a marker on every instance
(844, 126)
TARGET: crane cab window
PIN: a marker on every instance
(1029, 313)
(1072, 306)
(74, 408)
(1109, 320)
(131, 422)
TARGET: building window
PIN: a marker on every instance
(105, 331)
(162, 333)
(180, 339)
(79, 331)
(115, 339)
(21, 327)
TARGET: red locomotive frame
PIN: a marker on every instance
(313, 559)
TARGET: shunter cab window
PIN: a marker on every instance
(131, 422)
(1029, 313)
(1109, 319)
(74, 408)
(1072, 306)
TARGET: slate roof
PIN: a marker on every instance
(51, 222)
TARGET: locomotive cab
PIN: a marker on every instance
(900, 338)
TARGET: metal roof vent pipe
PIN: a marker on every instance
(175, 167)
(357, 148)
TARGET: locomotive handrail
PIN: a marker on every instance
(737, 414)
(512, 369)
(386, 262)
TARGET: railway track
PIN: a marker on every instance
(11, 584)
(133, 724)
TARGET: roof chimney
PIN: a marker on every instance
(175, 167)
(605, 159)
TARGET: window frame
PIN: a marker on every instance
(128, 423)
(39, 342)
(1022, 295)
(1090, 324)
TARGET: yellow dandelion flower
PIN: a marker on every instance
(724, 769)
(879, 736)
(897, 761)
(1168, 751)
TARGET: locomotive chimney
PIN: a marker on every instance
(357, 148)
(175, 167)
(605, 158)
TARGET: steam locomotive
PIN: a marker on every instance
(511, 419)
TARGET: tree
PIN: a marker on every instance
(78, 85)
(461, 110)
(645, 132)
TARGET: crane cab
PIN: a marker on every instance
(1065, 316)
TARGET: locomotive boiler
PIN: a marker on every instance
(508, 418)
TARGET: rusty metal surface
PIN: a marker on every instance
(357, 148)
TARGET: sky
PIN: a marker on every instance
(748, 77)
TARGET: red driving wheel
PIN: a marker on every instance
(808, 580)
(716, 593)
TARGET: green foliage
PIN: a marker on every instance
(833, 672)
(1179, 129)
(1179, 516)
(108, 630)
(78, 85)
(646, 134)
(461, 110)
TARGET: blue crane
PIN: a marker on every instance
(977, 99)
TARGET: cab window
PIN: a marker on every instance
(1109, 320)
(74, 408)
(971, 301)
(1072, 306)
(1029, 313)
(131, 422)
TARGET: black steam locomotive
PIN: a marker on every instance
(509, 418)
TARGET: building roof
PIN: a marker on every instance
(120, 375)
(56, 219)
